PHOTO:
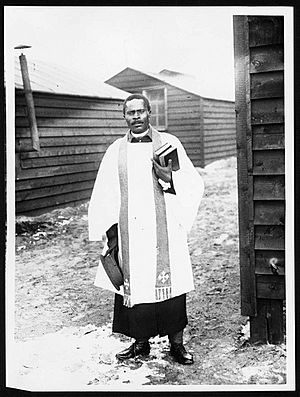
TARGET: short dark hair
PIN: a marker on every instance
(137, 96)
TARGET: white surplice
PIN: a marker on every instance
(181, 210)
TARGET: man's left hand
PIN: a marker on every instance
(163, 173)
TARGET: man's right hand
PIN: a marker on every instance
(163, 173)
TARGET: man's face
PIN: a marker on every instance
(137, 116)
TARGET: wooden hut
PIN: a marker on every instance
(259, 67)
(76, 119)
(205, 125)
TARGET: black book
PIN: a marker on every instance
(112, 269)
(110, 260)
(165, 153)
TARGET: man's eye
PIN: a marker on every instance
(138, 112)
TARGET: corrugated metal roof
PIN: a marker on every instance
(214, 90)
(46, 77)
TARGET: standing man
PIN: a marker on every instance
(151, 209)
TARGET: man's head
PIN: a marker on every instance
(136, 111)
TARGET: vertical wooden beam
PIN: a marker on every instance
(29, 103)
(244, 165)
(267, 326)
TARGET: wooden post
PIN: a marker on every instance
(267, 326)
(244, 165)
(29, 103)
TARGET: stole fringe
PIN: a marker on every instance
(163, 293)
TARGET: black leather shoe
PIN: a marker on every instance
(180, 354)
(136, 349)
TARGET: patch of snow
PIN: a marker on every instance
(37, 235)
(221, 239)
(234, 196)
(229, 162)
(197, 251)
(262, 374)
(81, 359)
(21, 247)
(65, 222)
(245, 331)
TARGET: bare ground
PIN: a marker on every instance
(63, 322)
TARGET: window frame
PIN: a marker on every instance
(159, 87)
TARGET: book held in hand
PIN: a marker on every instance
(112, 268)
(110, 260)
(165, 153)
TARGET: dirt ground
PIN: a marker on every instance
(63, 322)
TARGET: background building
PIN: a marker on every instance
(205, 125)
(77, 120)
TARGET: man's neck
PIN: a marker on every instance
(139, 135)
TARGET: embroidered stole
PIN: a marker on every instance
(163, 276)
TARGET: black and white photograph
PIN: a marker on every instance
(149, 180)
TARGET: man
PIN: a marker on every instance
(151, 208)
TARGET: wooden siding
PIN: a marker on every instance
(184, 121)
(219, 129)
(206, 127)
(74, 133)
(260, 128)
(267, 120)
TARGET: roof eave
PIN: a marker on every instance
(170, 84)
(72, 95)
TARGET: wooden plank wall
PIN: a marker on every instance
(259, 55)
(184, 121)
(74, 134)
(219, 129)
(206, 127)
(183, 110)
(267, 119)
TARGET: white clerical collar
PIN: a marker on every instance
(139, 135)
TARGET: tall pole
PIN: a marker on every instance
(29, 103)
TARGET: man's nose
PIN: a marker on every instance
(136, 114)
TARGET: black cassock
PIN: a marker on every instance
(145, 320)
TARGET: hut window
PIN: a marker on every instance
(157, 98)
